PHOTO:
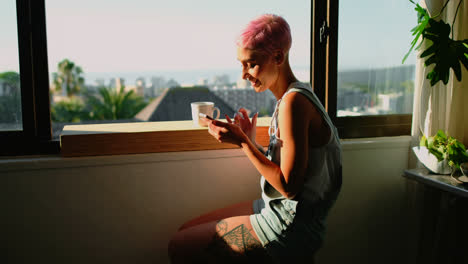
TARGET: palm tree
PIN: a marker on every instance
(71, 110)
(68, 78)
(113, 104)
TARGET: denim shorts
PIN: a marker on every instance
(288, 233)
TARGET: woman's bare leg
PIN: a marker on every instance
(243, 208)
(229, 240)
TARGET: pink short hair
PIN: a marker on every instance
(266, 33)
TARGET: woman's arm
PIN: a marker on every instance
(288, 177)
(294, 118)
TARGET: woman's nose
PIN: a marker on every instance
(244, 74)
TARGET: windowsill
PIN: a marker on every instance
(440, 182)
(39, 162)
(145, 137)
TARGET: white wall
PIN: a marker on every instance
(367, 224)
(123, 209)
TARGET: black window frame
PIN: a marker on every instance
(324, 76)
(36, 136)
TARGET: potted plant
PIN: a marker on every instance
(441, 154)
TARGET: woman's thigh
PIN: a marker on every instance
(229, 240)
(243, 208)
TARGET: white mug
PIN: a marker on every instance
(206, 108)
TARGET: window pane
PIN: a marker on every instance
(373, 38)
(168, 53)
(10, 94)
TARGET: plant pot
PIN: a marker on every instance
(430, 161)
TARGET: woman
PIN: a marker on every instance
(301, 170)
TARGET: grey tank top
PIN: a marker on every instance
(323, 174)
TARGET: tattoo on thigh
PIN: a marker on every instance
(221, 227)
(237, 241)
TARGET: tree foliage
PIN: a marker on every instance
(11, 79)
(114, 104)
(82, 105)
(68, 77)
(10, 103)
(71, 110)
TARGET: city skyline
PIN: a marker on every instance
(183, 77)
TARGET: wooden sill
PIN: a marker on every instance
(144, 137)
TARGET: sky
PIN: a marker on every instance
(152, 35)
(375, 33)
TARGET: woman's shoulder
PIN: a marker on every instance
(300, 85)
(298, 94)
(297, 104)
(293, 98)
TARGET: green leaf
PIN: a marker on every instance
(440, 134)
(429, 51)
(437, 154)
(431, 60)
(430, 142)
(444, 147)
(444, 52)
(423, 141)
(417, 31)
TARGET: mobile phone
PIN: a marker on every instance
(205, 116)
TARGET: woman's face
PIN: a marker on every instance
(259, 68)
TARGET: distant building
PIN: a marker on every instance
(100, 82)
(246, 97)
(396, 103)
(202, 82)
(117, 82)
(354, 99)
(138, 90)
(376, 91)
(220, 80)
(158, 84)
(140, 84)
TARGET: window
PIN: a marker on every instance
(35, 133)
(10, 93)
(368, 91)
(371, 78)
(33, 136)
(184, 46)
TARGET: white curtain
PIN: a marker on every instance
(442, 106)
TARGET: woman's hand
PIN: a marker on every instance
(242, 119)
(226, 132)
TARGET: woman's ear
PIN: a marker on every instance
(278, 56)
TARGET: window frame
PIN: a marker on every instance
(327, 77)
(36, 137)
